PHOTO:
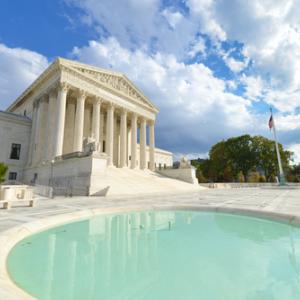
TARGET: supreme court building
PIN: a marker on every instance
(73, 123)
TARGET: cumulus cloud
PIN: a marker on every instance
(296, 149)
(254, 87)
(173, 18)
(270, 34)
(195, 107)
(144, 24)
(18, 68)
(266, 67)
(157, 44)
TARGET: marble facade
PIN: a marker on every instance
(77, 109)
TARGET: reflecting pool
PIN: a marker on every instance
(161, 256)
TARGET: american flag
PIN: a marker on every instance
(271, 122)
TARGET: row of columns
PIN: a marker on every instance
(57, 108)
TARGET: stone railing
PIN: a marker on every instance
(237, 185)
(16, 192)
(183, 174)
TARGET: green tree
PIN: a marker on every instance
(241, 155)
(3, 170)
(200, 176)
(266, 158)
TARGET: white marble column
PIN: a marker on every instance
(128, 148)
(60, 119)
(101, 131)
(50, 124)
(110, 134)
(133, 140)
(123, 141)
(116, 152)
(42, 136)
(79, 122)
(152, 146)
(36, 133)
(143, 144)
(32, 135)
(96, 120)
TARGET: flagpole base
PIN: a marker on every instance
(282, 181)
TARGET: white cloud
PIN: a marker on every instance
(18, 68)
(198, 47)
(235, 65)
(287, 122)
(173, 18)
(270, 34)
(269, 31)
(296, 149)
(195, 107)
(140, 24)
(254, 86)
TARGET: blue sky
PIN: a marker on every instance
(213, 67)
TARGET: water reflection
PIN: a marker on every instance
(111, 255)
(161, 255)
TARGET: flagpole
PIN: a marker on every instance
(281, 174)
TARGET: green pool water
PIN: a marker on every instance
(161, 256)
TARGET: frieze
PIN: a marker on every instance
(116, 82)
(80, 81)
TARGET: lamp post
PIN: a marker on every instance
(51, 177)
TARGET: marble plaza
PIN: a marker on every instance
(267, 202)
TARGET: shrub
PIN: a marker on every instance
(240, 177)
(254, 177)
(3, 170)
(262, 178)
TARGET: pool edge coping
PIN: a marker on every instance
(9, 238)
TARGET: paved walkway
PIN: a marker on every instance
(15, 224)
(265, 200)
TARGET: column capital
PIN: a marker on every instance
(52, 92)
(98, 100)
(63, 86)
(124, 111)
(134, 115)
(35, 103)
(44, 98)
(111, 105)
(143, 119)
(80, 93)
(151, 122)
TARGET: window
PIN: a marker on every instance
(103, 146)
(15, 151)
(12, 176)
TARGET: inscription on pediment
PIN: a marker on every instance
(115, 82)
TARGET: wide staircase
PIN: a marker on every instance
(116, 181)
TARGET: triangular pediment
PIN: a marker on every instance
(114, 80)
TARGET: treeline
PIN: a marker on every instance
(245, 159)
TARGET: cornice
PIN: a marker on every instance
(15, 119)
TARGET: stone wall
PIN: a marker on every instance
(187, 174)
(14, 129)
